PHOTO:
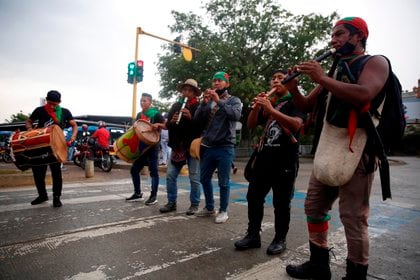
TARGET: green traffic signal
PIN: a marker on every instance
(131, 68)
(131, 72)
(135, 70)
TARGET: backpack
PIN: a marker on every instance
(392, 121)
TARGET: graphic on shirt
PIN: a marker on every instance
(273, 133)
(49, 122)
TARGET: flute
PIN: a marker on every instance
(273, 90)
(182, 107)
(285, 130)
(318, 58)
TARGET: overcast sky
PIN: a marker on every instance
(81, 48)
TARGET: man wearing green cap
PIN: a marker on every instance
(353, 88)
(219, 111)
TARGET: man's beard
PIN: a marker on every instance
(346, 49)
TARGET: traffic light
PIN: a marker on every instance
(131, 72)
(139, 72)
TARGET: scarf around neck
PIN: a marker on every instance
(276, 100)
(54, 114)
(150, 113)
(190, 101)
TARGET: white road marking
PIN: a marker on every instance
(154, 268)
(97, 274)
(33, 247)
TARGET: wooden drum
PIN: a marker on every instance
(40, 146)
(137, 140)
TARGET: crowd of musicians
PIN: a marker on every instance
(201, 128)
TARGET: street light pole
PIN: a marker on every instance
(134, 109)
(139, 31)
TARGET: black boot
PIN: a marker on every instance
(169, 207)
(57, 202)
(251, 240)
(318, 266)
(277, 246)
(39, 200)
(355, 271)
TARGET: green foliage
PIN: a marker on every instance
(19, 117)
(410, 143)
(248, 39)
(162, 106)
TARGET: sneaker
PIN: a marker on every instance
(221, 217)
(57, 202)
(169, 207)
(205, 213)
(152, 200)
(192, 210)
(135, 197)
(39, 200)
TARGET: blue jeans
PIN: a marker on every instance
(194, 174)
(220, 158)
(149, 158)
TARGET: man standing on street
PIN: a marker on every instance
(50, 114)
(220, 111)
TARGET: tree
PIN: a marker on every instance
(162, 106)
(19, 117)
(248, 39)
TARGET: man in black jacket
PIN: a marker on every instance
(182, 130)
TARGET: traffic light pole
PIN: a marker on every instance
(139, 31)
(134, 109)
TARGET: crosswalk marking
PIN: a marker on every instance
(32, 247)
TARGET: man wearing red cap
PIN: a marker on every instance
(352, 89)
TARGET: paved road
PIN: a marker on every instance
(97, 235)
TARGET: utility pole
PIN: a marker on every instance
(140, 31)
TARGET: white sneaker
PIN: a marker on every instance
(221, 217)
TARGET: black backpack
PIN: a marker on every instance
(392, 121)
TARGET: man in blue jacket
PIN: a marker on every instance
(219, 111)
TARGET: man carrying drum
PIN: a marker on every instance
(149, 154)
(50, 114)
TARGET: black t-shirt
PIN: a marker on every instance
(277, 146)
(44, 119)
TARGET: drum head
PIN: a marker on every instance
(146, 133)
(58, 143)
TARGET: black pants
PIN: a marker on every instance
(39, 173)
(282, 183)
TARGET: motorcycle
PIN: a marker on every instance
(5, 152)
(86, 150)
